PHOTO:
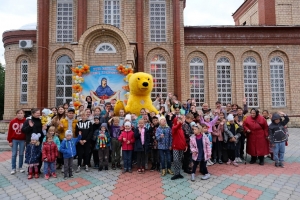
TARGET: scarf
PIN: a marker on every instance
(198, 137)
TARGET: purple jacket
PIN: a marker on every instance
(210, 124)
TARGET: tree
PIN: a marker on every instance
(2, 86)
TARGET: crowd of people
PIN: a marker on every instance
(180, 135)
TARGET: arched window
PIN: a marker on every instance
(64, 21)
(63, 80)
(224, 80)
(105, 48)
(159, 73)
(197, 80)
(251, 82)
(277, 82)
(157, 20)
(24, 81)
(112, 13)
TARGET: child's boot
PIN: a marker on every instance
(29, 175)
(36, 175)
(163, 172)
(193, 177)
(170, 171)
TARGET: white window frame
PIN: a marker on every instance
(197, 81)
(67, 25)
(157, 22)
(103, 47)
(63, 75)
(277, 76)
(251, 82)
(158, 69)
(24, 64)
(112, 15)
(224, 96)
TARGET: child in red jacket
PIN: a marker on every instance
(179, 145)
(127, 140)
(49, 155)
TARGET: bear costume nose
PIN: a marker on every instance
(145, 84)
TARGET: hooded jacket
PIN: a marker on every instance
(276, 131)
(179, 140)
(33, 153)
(14, 130)
(49, 151)
(165, 142)
(206, 147)
(102, 141)
(86, 129)
(65, 123)
(68, 147)
(129, 135)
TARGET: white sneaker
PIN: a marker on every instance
(62, 169)
(13, 172)
(193, 177)
(205, 177)
(86, 168)
(21, 170)
(77, 170)
(208, 163)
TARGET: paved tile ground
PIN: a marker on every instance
(227, 182)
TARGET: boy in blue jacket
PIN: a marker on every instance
(68, 149)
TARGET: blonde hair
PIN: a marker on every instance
(116, 119)
(52, 129)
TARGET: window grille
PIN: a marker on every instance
(105, 48)
(251, 82)
(197, 81)
(159, 73)
(277, 82)
(63, 80)
(112, 13)
(224, 81)
(64, 27)
(24, 81)
(157, 20)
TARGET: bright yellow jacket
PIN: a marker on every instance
(62, 130)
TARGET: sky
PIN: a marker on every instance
(16, 13)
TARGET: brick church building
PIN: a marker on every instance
(258, 57)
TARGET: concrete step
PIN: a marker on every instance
(3, 143)
(5, 148)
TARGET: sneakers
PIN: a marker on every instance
(113, 166)
(169, 171)
(163, 172)
(21, 170)
(62, 169)
(106, 167)
(205, 177)
(281, 164)
(96, 166)
(100, 169)
(47, 176)
(139, 171)
(124, 171)
(209, 162)
(86, 168)
(234, 163)
(175, 177)
(143, 170)
(214, 161)
(193, 177)
(119, 166)
(238, 160)
(153, 168)
(54, 175)
(71, 176)
(77, 170)
(65, 178)
(13, 172)
(276, 164)
(129, 170)
(220, 161)
(229, 162)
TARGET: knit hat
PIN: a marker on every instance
(96, 117)
(162, 117)
(127, 124)
(104, 125)
(192, 124)
(46, 111)
(230, 117)
(35, 136)
(128, 117)
(68, 132)
(206, 117)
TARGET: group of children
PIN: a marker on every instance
(183, 139)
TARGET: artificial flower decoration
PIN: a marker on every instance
(124, 70)
(76, 104)
(78, 79)
(77, 88)
(79, 70)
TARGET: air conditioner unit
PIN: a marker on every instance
(25, 44)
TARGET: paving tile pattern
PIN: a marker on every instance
(227, 182)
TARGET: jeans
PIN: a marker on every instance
(68, 165)
(279, 148)
(21, 144)
(165, 156)
(127, 155)
(50, 165)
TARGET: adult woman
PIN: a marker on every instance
(256, 128)
(60, 115)
(34, 125)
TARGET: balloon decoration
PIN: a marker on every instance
(124, 70)
(79, 70)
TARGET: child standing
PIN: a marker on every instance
(68, 149)
(153, 144)
(103, 145)
(164, 138)
(201, 152)
(278, 137)
(141, 145)
(16, 138)
(55, 138)
(127, 139)
(49, 155)
(94, 151)
(32, 155)
(205, 129)
(217, 135)
(115, 143)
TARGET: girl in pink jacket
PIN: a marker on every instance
(201, 151)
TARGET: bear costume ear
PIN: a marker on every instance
(128, 76)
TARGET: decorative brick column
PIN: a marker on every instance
(266, 12)
(81, 18)
(140, 35)
(43, 53)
